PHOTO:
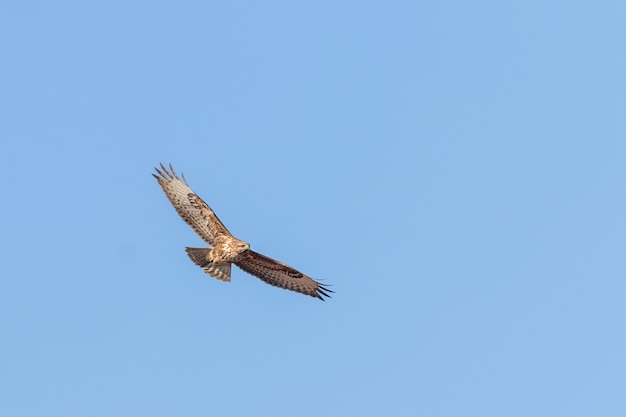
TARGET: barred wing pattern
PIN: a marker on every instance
(195, 212)
(281, 275)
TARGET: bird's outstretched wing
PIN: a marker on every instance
(195, 212)
(281, 275)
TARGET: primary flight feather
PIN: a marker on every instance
(227, 249)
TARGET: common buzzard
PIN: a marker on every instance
(227, 249)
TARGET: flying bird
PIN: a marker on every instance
(226, 249)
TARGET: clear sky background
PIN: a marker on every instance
(455, 171)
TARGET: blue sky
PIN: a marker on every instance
(455, 170)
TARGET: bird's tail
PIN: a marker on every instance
(198, 255)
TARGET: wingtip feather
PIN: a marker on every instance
(323, 291)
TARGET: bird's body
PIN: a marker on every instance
(226, 249)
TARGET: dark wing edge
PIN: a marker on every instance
(166, 175)
(281, 275)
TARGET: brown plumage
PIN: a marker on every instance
(226, 249)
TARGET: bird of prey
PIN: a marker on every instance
(227, 249)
